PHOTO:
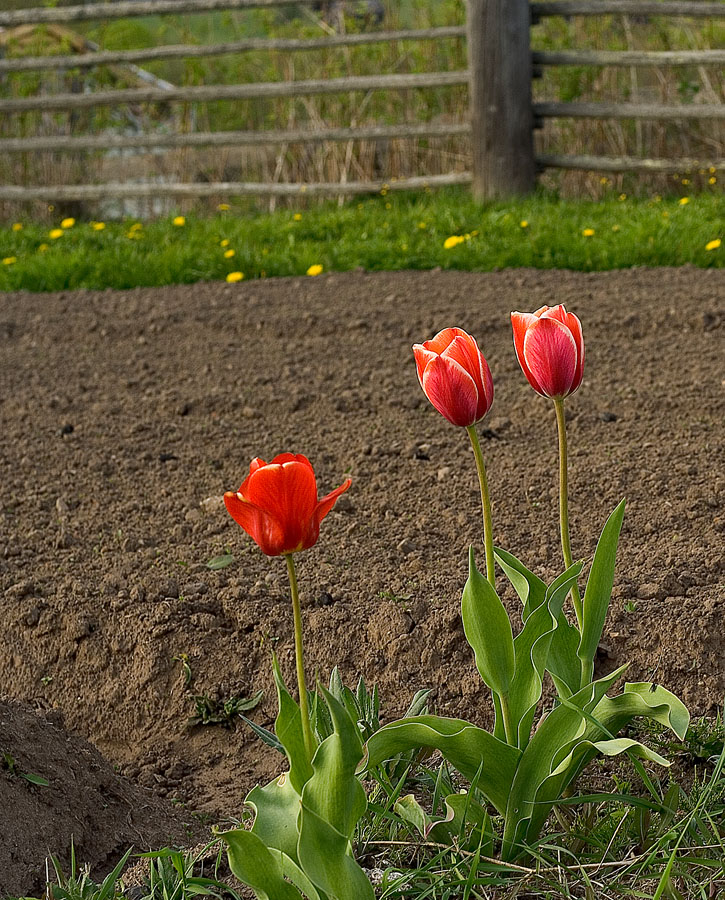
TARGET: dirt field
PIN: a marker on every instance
(125, 416)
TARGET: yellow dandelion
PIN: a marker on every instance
(232, 277)
(422, 225)
(67, 223)
(524, 223)
(17, 226)
(179, 221)
(665, 215)
(223, 207)
(55, 234)
(315, 270)
(684, 201)
(388, 206)
(685, 181)
(603, 180)
(712, 170)
(588, 232)
(710, 180)
(9, 260)
(297, 217)
(42, 248)
(98, 226)
(224, 243)
(714, 245)
(133, 235)
(453, 241)
(228, 254)
(622, 198)
(615, 228)
(137, 226)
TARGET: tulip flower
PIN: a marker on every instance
(277, 506)
(550, 349)
(455, 377)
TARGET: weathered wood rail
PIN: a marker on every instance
(502, 114)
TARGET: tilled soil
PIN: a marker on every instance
(126, 415)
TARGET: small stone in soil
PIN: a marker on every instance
(66, 429)
(167, 457)
(607, 416)
(324, 599)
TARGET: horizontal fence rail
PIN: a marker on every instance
(555, 110)
(258, 91)
(626, 58)
(125, 9)
(226, 189)
(106, 142)
(627, 164)
(188, 51)
(626, 8)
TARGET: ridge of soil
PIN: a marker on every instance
(125, 416)
(84, 802)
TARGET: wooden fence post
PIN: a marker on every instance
(499, 59)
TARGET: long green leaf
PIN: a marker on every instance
(530, 588)
(643, 699)
(277, 808)
(531, 648)
(599, 587)
(288, 728)
(488, 630)
(333, 800)
(256, 866)
(465, 746)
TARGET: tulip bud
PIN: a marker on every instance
(550, 349)
(455, 377)
(277, 504)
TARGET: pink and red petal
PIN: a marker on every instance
(422, 357)
(451, 390)
(520, 323)
(550, 354)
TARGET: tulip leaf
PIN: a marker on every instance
(644, 699)
(558, 732)
(530, 588)
(531, 648)
(277, 809)
(333, 800)
(220, 562)
(288, 728)
(488, 630)
(563, 663)
(465, 746)
(599, 587)
(256, 866)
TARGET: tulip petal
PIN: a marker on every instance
(324, 505)
(464, 350)
(288, 490)
(520, 323)
(259, 524)
(451, 390)
(445, 337)
(550, 353)
(422, 357)
(575, 326)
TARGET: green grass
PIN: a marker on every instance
(391, 232)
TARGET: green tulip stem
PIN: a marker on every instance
(511, 736)
(299, 660)
(486, 503)
(564, 504)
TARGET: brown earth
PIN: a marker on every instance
(126, 415)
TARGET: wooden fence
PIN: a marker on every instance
(499, 76)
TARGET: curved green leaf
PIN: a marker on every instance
(488, 630)
(288, 728)
(599, 586)
(530, 588)
(256, 866)
(643, 699)
(558, 733)
(332, 802)
(465, 746)
(277, 809)
(531, 647)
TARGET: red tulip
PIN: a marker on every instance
(277, 504)
(550, 349)
(454, 376)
